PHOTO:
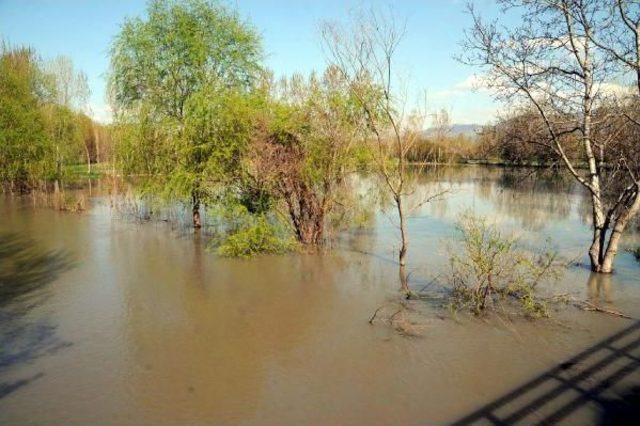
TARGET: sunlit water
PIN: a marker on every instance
(145, 326)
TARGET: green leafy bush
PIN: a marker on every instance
(257, 237)
(493, 269)
(636, 253)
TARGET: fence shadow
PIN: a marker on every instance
(598, 377)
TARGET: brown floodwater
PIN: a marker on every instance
(143, 325)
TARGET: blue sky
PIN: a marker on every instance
(83, 30)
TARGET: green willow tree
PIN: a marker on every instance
(40, 119)
(181, 79)
(25, 155)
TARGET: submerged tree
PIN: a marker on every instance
(554, 62)
(365, 51)
(493, 267)
(619, 38)
(173, 77)
(305, 147)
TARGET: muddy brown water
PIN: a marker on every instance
(145, 326)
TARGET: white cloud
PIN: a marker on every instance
(467, 100)
(614, 89)
(100, 112)
(473, 83)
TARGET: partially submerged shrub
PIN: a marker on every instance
(257, 237)
(636, 253)
(73, 203)
(493, 269)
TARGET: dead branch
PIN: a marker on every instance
(588, 306)
(373, 317)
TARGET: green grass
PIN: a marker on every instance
(79, 171)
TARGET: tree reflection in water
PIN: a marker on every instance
(25, 272)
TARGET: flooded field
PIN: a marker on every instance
(141, 324)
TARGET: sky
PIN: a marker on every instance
(84, 30)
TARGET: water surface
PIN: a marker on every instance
(146, 326)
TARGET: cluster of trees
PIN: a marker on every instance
(567, 63)
(514, 139)
(197, 111)
(43, 122)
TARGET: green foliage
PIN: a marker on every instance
(217, 134)
(636, 253)
(184, 80)
(181, 48)
(308, 140)
(259, 238)
(38, 135)
(64, 137)
(248, 235)
(24, 152)
(493, 268)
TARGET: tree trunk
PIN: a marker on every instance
(599, 229)
(57, 197)
(404, 281)
(599, 235)
(616, 234)
(404, 242)
(310, 230)
(96, 137)
(197, 223)
(88, 159)
(307, 216)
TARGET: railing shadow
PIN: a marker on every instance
(587, 378)
(25, 272)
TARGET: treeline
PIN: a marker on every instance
(521, 138)
(513, 139)
(44, 126)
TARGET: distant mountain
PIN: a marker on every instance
(459, 129)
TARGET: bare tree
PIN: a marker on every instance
(441, 124)
(71, 86)
(621, 36)
(552, 63)
(72, 92)
(364, 50)
(440, 129)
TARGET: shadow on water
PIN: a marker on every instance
(7, 388)
(25, 272)
(25, 269)
(591, 377)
